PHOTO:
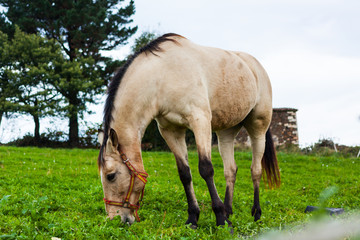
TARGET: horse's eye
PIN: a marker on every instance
(110, 177)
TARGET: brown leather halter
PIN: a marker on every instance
(134, 173)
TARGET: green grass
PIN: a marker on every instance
(48, 193)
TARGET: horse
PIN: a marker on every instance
(182, 86)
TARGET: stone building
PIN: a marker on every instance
(283, 128)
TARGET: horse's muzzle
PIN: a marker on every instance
(125, 213)
(128, 219)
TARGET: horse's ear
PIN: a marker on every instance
(101, 136)
(114, 138)
(112, 142)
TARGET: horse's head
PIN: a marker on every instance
(123, 185)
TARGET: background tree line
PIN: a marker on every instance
(51, 61)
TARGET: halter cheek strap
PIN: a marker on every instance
(126, 202)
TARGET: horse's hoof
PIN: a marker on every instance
(192, 226)
(230, 226)
(257, 216)
(228, 211)
(256, 213)
(229, 223)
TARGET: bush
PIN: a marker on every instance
(46, 140)
(88, 138)
(58, 139)
(327, 147)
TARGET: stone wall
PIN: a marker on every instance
(283, 128)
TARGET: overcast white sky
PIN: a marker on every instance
(310, 49)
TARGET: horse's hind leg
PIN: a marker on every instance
(258, 147)
(256, 126)
(175, 138)
(201, 126)
(226, 149)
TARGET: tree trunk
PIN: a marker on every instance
(73, 120)
(73, 102)
(37, 129)
(1, 114)
(73, 130)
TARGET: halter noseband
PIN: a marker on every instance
(125, 203)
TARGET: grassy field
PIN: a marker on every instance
(48, 193)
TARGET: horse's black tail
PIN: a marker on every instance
(269, 163)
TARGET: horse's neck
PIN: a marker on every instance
(130, 122)
(131, 125)
(130, 146)
(134, 110)
(133, 153)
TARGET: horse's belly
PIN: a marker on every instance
(228, 117)
(231, 106)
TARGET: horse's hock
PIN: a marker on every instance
(283, 128)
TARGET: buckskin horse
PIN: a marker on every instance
(183, 85)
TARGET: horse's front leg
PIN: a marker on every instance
(176, 142)
(201, 127)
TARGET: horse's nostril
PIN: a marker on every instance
(127, 220)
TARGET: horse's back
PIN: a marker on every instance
(227, 85)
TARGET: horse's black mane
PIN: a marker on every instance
(152, 47)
